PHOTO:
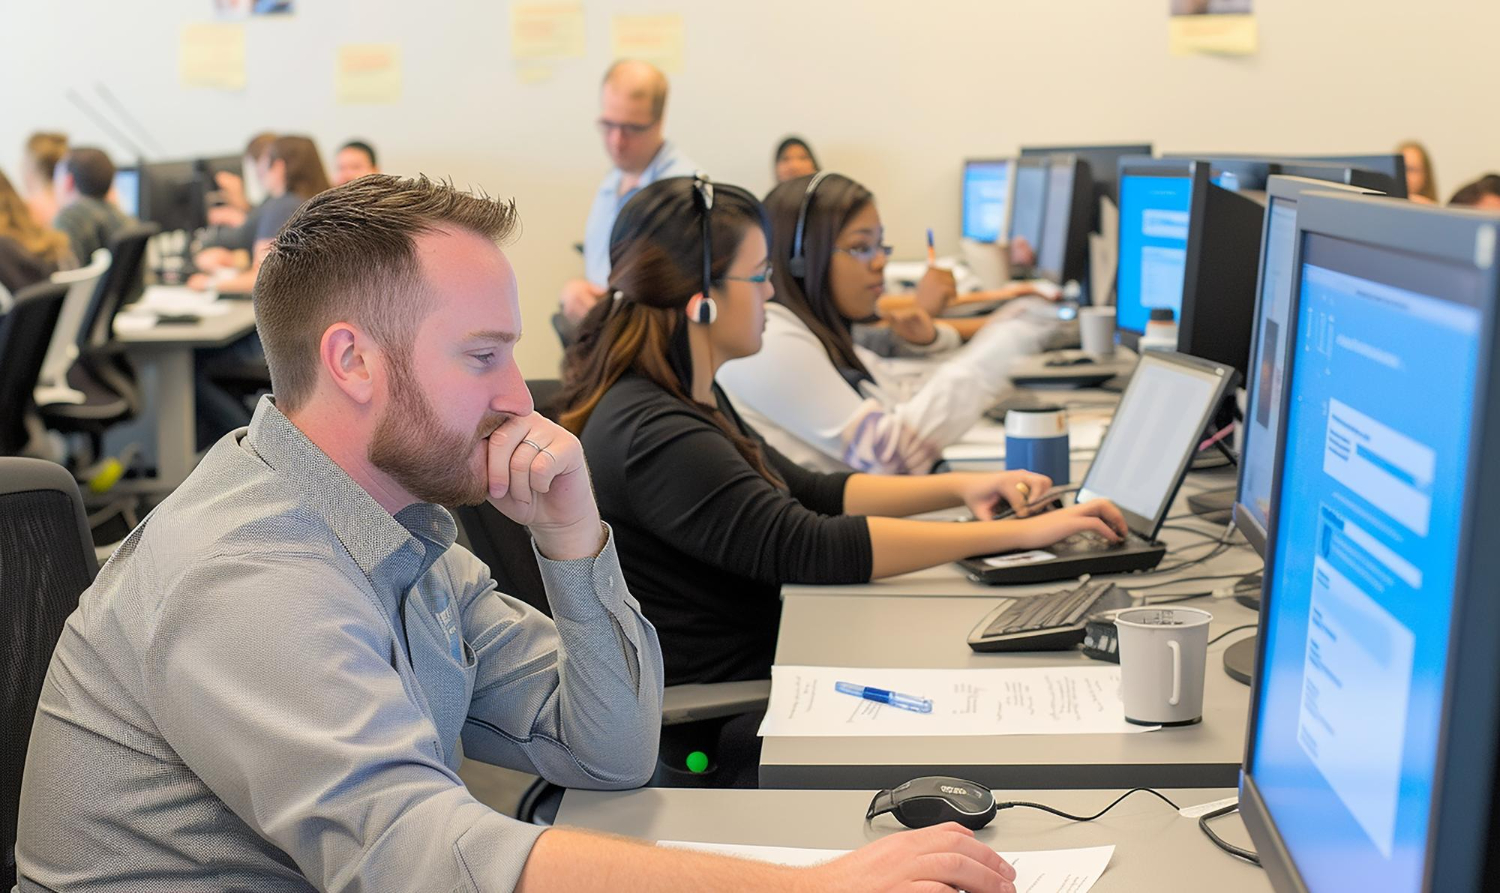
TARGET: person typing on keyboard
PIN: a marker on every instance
(711, 520)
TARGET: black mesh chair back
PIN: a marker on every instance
(121, 284)
(46, 561)
(25, 332)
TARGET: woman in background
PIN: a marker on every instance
(1421, 181)
(29, 252)
(794, 158)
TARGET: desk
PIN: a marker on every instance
(875, 630)
(1155, 848)
(166, 428)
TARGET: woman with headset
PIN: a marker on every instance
(824, 401)
(711, 521)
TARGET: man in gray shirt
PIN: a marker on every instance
(84, 178)
(266, 685)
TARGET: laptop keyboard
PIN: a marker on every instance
(1089, 541)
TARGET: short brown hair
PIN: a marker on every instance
(350, 255)
(92, 171)
(44, 150)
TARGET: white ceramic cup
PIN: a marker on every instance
(1163, 658)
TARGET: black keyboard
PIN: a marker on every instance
(1050, 622)
(1086, 541)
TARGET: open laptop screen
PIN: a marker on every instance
(1153, 436)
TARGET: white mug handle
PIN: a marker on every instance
(1176, 672)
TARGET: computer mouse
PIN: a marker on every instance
(934, 799)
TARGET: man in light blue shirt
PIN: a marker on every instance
(632, 107)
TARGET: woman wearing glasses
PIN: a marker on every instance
(710, 521)
(815, 395)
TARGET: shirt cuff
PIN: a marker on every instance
(577, 588)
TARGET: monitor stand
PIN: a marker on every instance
(1239, 658)
(1213, 502)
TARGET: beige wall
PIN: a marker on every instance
(892, 93)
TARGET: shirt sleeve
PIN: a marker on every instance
(591, 721)
(708, 502)
(274, 214)
(274, 684)
(883, 341)
(793, 382)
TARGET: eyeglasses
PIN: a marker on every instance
(758, 279)
(605, 126)
(866, 253)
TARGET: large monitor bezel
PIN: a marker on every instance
(1073, 256)
(1286, 189)
(1010, 194)
(1459, 835)
(1195, 170)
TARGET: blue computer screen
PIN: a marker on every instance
(986, 186)
(1030, 204)
(1153, 247)
(1268, 364)
(1361, 590)
(1053, 250)
(127, 189)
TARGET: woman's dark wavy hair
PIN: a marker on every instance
(836, 200)
(656, 258)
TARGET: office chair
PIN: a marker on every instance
(100, 373)
(63, 349)
(24, 331)
(692, 715)
(46, 561)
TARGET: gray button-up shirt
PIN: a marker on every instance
(265, 687)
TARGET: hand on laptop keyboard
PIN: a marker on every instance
(1097, 516)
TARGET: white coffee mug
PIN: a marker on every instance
(1163, 658)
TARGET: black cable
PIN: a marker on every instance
(1009, 804)
(1238, 852)
(1228, 453)
(1187, 597)
(1207, 534)
(1233, 629)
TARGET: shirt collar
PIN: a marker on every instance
(664, 156)
(390, 550)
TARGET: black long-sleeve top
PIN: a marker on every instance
(705, 541)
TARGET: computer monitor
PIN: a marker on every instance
(1156, 202)
(127, 189)
(1103, 162)
(1029, 204)
(1390, 167)
(1063, 252)
(1269, 345)
(1217, 310)
(986, 198)
(1370, 757)
(1344, 174)
(172, 195)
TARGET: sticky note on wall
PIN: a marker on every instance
(650, 38)
(368, 73)
(212, 55)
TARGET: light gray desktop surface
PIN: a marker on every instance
(931, 631)
(1156, 849)
(166, 428)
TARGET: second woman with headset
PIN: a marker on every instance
(710, 520)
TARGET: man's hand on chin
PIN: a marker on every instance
(538, 478)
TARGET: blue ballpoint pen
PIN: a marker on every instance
(881, 696)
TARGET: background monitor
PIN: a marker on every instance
(1344, 174)
(1156, 200)
(1029, 204)
(1102, 162)
(986, 198)
(1391, 167)
(1270, 342)
(171, 195)
(127, 189)
(1217, 309)
(1064, 249)
(1370, 760)
(1382, 173)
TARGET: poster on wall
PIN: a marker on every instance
(240, 9)
(1215, 27)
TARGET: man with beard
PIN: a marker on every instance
(266, 685)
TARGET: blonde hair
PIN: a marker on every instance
(16, 222)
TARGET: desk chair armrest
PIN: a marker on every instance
(692, 702)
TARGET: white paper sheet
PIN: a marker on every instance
(1040, 871)
(1026, 701)
(178, 299)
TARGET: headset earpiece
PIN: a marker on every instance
(702, 310)
(798, 264)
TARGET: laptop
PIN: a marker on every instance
(1070, 369)
(1140, 465)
